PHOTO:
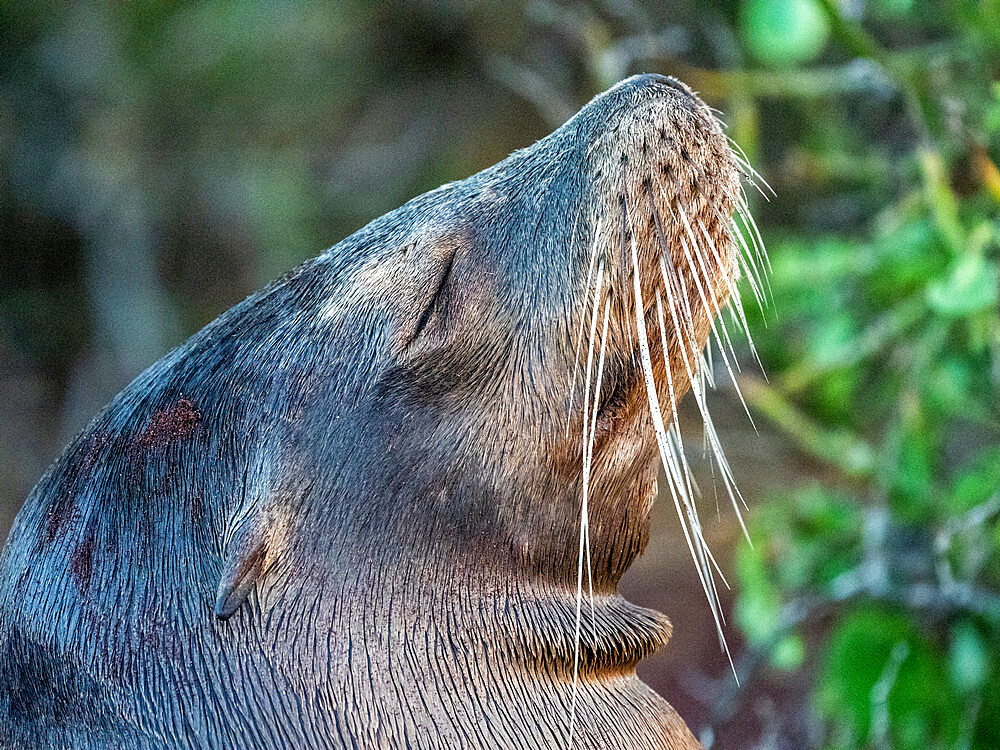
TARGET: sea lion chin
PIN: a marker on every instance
(347, 513)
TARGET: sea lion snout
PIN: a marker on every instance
(495, 339)
(654, 209)
(679, 85)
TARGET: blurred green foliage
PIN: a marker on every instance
(160, 161)
(883, 581)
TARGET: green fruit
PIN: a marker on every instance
(784, 32)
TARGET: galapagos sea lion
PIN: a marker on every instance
(347, 513)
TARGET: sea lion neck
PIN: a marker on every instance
(499, 603)
(461, 535)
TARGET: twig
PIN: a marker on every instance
(868, 581)
(533, 87)
(848, 452)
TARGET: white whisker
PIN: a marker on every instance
(753, 173)
(590, 456)
(670, 390)
(586, 450)
(749, 264)
(722, 325)
(583, 318)
(714, 310)
(692, 536)
(743, 209)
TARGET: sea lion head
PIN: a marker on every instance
(407, 449)
(478, 325)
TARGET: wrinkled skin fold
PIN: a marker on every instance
(347, 513)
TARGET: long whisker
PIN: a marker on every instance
(590, 456)
(746, 258)
(692, 486)
(753, 176)
(728, 480)
(672, 307)
(697, 389)
(743, 209)
(672, 454)
(736, 304)
(713, 309)
(583, 318)
(590, 351)
(732, 375)
(682, 289)
(698, 280)
(624, 266)
(750, 259)
(587, 451)
(692, 537)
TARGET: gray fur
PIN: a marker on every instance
(314, 526)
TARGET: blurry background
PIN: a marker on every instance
(160, 161)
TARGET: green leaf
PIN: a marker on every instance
(968, 659)
(857, 680)
(970, 287)
(759, 605)
(910, 467)
(977, 482)
(789, 654)
(948, 384)
(991, 119)
(893, 8)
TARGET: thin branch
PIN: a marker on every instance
(850, 453)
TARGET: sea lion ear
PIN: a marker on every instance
(250, 551)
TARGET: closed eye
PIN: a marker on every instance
(435, 300)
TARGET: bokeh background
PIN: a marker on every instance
(159, 161)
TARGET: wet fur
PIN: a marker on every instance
(374, 451)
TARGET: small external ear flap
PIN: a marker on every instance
(254, 542)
